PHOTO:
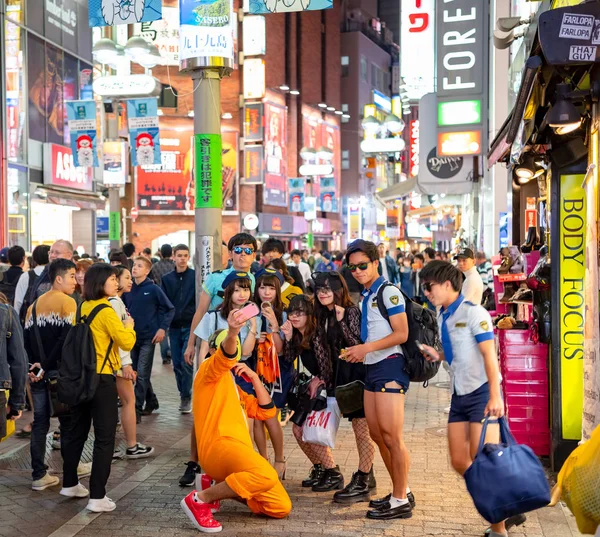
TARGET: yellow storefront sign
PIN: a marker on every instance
(572, 302)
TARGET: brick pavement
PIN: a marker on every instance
(148, 495)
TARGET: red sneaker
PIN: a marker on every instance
(203, 482)
(200, 514)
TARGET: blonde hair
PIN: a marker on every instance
(144, 260)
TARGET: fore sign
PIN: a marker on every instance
(60, 171)
(572, 222)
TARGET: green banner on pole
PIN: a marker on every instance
(207, 171)
(114, 226)
(310, 240)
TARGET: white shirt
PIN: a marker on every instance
(472, 288)
(22, 284)
(120, 309)
(463, 326)
(304, 270)
(377, 326)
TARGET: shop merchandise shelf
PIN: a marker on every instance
(513, 336)
(529, 359)
(514, 387)
(524, 376)
(516, 412)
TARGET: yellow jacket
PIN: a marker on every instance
(105, 327)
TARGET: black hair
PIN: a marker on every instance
(279, 264)
(430, 252)
(95, 279)
(273, 245)
(242, 238)
(129, 249)
(180, 247)
(301, 342)
(419, 256)
(366, 247)
(85, 256)
(296, 252)
(16, 255)
(120, 257)
(40, 254)
(147, 251)
(119, 269)
(59, 267)
(166, 251)
(441, 272)
(226, 306)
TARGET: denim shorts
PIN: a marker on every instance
(470, 407)
(392, 369)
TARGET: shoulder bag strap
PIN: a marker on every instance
(89, 320)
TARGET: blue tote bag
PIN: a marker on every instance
(506, 479)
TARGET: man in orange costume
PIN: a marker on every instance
(225, 450)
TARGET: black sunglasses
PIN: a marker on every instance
(427, 286)
(238, 250)
(361, 266)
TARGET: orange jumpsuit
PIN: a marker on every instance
(225, 450)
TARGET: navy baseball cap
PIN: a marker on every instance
(233, 276)
(270, 272)
(465, 253)
(4, 255)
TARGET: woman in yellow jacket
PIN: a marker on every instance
(110, 334)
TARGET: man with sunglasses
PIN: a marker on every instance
(386, 381)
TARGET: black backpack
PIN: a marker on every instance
(27, 300)
(422, 327)
(8, 288)
(77, 376)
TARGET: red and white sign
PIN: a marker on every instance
(414, 148)
(134, 213)
(530, 219)
(59, 169)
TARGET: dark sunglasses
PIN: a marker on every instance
(427, 286)
(238, 250)
(361, 266)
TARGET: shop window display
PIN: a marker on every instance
(18, 206)
(15, 94)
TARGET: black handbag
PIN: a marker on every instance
(350, 397)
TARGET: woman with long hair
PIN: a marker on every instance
(288, 289)
(83, 266)
(338, 323)
(126, 375)
(110, 334)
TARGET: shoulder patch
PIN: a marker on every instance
(485, 325)
(395, 300)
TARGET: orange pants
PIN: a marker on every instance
(249, 475)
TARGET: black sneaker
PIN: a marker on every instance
(379, 503)
(356, 491)
(139, 451)
(149, 409)
(166, 361)
(314, 476)
(189, 477)
(332, 479)
(387, 512)
(138, 418)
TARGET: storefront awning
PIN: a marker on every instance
(501, 144)
(399, 190)
(59, 196)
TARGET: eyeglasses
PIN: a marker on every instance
(238, 250)
(427, 286)
(361, 266)
(296, 314)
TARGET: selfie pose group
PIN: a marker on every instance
(267, 356)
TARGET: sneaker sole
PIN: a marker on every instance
(186, 484)
(95, 510)
(66, 495)
(140, 455)
(87, 474)
(44, 487)
(396, 517)
(356, 499)
(186, 411)
(192, 518)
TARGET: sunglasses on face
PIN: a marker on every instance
(238, 250)
(361, 266)
(428, 286)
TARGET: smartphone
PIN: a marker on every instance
(37, 371)
(423, 350)
(248, 311)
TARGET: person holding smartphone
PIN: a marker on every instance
(468, 347)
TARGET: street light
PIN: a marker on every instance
(563, 117)
(105, 51)
(308, 153)
(324, 153)
(150, 58)
(136, 47)
(371, 125)
(393, 124)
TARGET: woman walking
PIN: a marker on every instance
(110, 335)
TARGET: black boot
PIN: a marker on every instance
(530, 240)
(315, 475)
(332, 479)
(357, 490)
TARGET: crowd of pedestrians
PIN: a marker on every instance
(272, 338)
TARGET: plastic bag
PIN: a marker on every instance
(321, 426)
(578, 484)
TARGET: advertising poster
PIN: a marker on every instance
(168, 186)
(207, 171)
(230, 172)
(254, 165)
(114, 155)
(163, 34)
(113, 12)
(254, 122)
(206, 29)
(82, 127)
(258, 7)
(327, 195)
(311, 137)
(142, 116)
(331, 139)
(275, 155)
(297, 194)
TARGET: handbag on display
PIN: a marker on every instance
(506, 479)
(321, 427)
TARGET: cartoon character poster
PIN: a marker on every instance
(275, 155)
(82, 127)
(144, 137)
(113, 12)
(258, 7)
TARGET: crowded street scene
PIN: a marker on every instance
(291, 268)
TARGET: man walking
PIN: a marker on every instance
(152, 312)
(61, 249)
(180, 287)
(160, 269)
(10, 278)
(387, 266)
(472, 287)
(27, 280)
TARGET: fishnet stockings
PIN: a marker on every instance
(364, 443)
(315, 453)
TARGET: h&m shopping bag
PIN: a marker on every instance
(321, 426)
(506, 479)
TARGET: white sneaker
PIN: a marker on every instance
(103, 505)
(45, 482)
(84, 469)
(78, 491)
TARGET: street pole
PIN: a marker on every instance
(114, 202)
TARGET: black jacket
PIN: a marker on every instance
(180, 288)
